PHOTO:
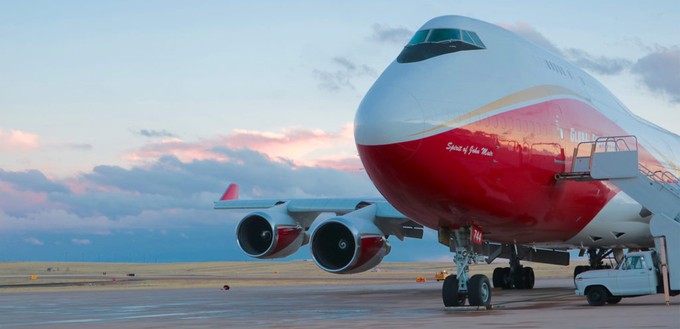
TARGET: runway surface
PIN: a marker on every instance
(551, 304)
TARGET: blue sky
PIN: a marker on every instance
(122, 121)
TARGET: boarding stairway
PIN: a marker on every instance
(615, 159)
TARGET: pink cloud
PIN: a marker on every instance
(184, 151)
(303, 147)
(79, 186)
(16, 200)
(17, 140)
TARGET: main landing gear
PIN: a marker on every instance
(516, 276)
(457, 288)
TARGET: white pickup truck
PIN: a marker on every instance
(638, 274)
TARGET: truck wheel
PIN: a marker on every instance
(597, 296)
(613, 300)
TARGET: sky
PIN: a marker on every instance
(122, 121)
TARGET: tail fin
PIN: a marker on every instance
(231, 193)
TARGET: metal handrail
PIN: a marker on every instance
(665, 179)
(603, 143)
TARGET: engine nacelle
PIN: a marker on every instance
(270, 234)
(344, 245)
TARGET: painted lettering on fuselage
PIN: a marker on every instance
(577, 136)
(469, 149)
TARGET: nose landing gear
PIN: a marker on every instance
(457, 288)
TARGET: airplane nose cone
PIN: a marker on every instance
(388, 114)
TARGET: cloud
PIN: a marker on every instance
(530, 33)
(388, 34)
(581, 58)
(31, 180)
(161, 194)
(151, 133)
(34, 241)
(342, 76)
(598, 64)
(22, 192)
(80, 241)
(300, 146)
(660, 72)
(75, 146)
(13, 140)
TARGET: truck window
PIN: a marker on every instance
(634, 263)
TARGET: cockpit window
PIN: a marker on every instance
(443, 35)
(430, 43)
(419, 37)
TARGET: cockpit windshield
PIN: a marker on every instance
(434, 42)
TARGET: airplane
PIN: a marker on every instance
(465, 133)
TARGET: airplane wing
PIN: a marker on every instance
(305, 211)
(354, 240)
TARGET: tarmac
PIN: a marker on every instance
(551, 304)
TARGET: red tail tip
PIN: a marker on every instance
(231, 193)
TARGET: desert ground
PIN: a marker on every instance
(295, 294)
(29, 276)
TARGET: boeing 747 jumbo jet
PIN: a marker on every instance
(491, 141)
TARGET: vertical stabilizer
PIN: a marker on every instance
(231, 193)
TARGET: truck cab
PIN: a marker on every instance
(636, 275)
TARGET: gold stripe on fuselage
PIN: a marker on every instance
(525, 95)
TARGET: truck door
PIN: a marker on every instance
(635, 277)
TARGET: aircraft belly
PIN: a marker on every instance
(618, 225)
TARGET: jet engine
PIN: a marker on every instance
(270, 234)
(343, 245)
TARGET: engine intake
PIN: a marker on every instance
(269, 234)
(348, 245)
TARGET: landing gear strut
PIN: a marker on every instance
(457, 288)
(595, 257)
(515, 276)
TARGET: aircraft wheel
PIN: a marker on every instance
(479, 290)
(530, 278)
(613, 300)
(507, 280)
(597, 296)
(450, 294)
(519, 279)
(497, 278)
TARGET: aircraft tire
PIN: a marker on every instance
(507, 280)
(519, 279)
(497, 278)
(450, 294)
(530, 278)
(479, 290)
